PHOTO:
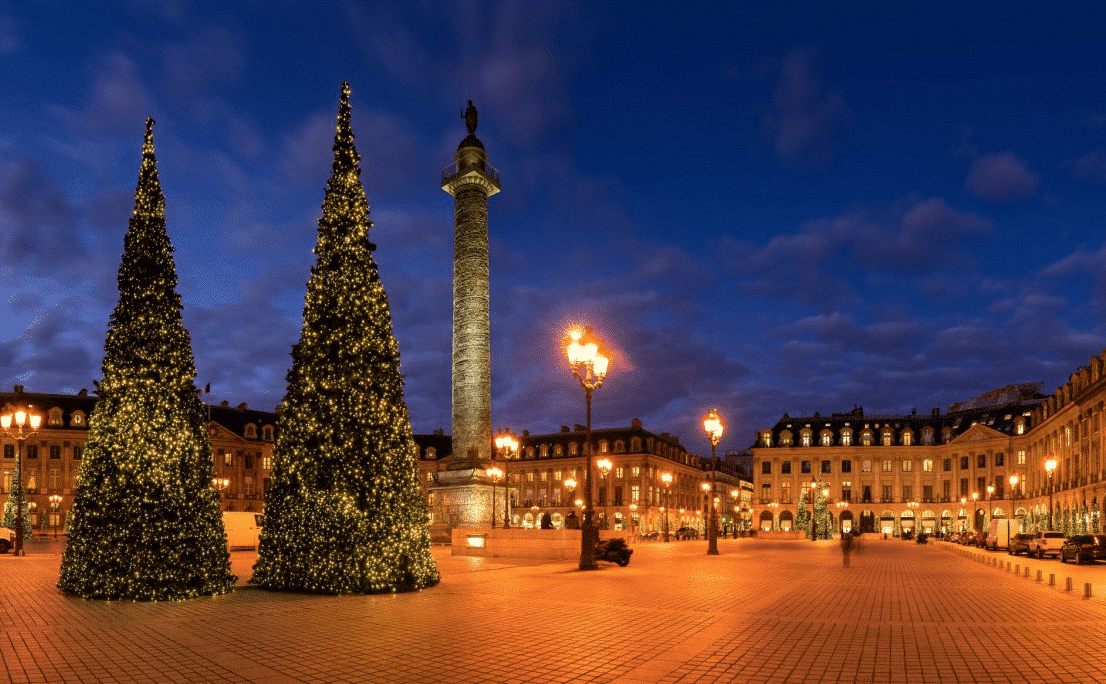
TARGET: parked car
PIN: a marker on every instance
(1019, 543)
(645, 536)
(968, 538)
(7, 539)
(1084, 547)
(1046, 543)
(687, 533)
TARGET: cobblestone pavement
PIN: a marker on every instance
(761, 611)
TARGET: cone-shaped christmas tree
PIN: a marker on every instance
(9, 518)
(145, 524)
(344, 512)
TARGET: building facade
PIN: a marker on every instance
(944, 472)
(546, 476)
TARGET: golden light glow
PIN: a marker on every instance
(20, 418)
(1050, 465)
(604, 466)
(1013, 480)
(712, 423)
(494, 473)
(705, 486)
(666, 478)
(571, 484)
(6, 421)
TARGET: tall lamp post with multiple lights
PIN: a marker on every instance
(1013, 507)
(507, 445)
(589, 360)
(1050, 466)
(666, 478)
(55, 503)
(712, 423)
(22, 418)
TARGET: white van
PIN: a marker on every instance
(243, 529)
(1000, 532)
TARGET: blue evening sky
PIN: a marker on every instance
(764, 207)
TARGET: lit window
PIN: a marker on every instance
(907, 466)
(766, 438)
(887, 465)
(228, 458)
(827, 439)
(927, 465)
(1021, 457)
(805, 438)
(866, 466)
(846, 437)
(907, 438)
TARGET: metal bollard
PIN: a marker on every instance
(1039, 575)
(1018, 569)
(1052, 579)
(1086, 590)
(1067, 584)
(1027, 572)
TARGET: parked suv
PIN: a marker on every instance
(1081, 547)
(1019, 543)
(1046, 543)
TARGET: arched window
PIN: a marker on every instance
(846, 437)
(431, 453)
(635, 444)
(267, 433)
(619, 446)
(826, 438)
(54, 417)
(785, 438)
(866, 438)
(544, 451)
(573, 448)
(77, 419)
(887, 437)
(805, 437)
(558, 449)
(907, 437)
(251, 431)
(927, 436)
(766, 438)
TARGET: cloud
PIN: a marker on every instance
(806, 122)
(1001, 177)
(119, 101)
(10, 41)
(1090, 167)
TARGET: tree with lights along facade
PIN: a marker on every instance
(344, 513)
(145, 523)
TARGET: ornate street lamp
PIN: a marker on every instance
(604, 465)
(495, 474)
(633, 512)
(712, 423)
(1013, 507)
(589, 360)
(734, 523)
(55, 503)
(975, 509)
(506, 444)
(22, 418)
(1050, 465)
(666, 478)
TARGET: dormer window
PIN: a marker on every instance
(77, 419)
(54, 417)
(846, 437)
(804, 438)
(766, 438)
(827, 438)
(251, 431)
(866, 438)
(907, 437)
(619, 446)
(1019, 426)
(887, 438)
(544, 451)
(785, 438)
(267, 433)
(431, 453)
(927, 436)
(635, 444)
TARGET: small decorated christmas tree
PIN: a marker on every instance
(145, 523)
(10, 507)
(802, 517)
(344, 512)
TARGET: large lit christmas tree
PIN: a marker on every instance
(9, 518)
(344, 512)
(822, 516)
(145, 524)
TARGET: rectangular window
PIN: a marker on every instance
(544, 475)
(55, 479)
(947, 465)
(963, 462)
(908, 466)
(866, 467)
(846, 491)
(866, 493)
(7, 481)
(766, 468)
(887, 465)
(634, 472)
(999, 459)
(635, 493)
(846, 466)
(617, 472)
(827, 466)
(908, 492)
(804, 467)
(886, 493)
(249, 461)
(9, 451)
(927, 465)
(602, 496)
(529, 477)
(785, 467)
(981, 461)
(266, 463)
(78, 452)
(963, 487)
(946, 490)
(785, 492)
(228, 458)
(55, 452)
(765, 493)
(618, 495)
(981, 486)
(32, 451)
(927, 493)
(1021, 457)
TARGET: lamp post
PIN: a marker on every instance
(666, 478)
(975, 509)
(495, 474)
(733, 495)
(604, 466)
(1013, 506)
(506, 443)
(775, 506)
(712, 423)
(589, 360)
(1050, 465)
(633, 512)
(964, 512)
(22, 418)
(55, 503)
(841, 523)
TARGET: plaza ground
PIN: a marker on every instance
(761, 611)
